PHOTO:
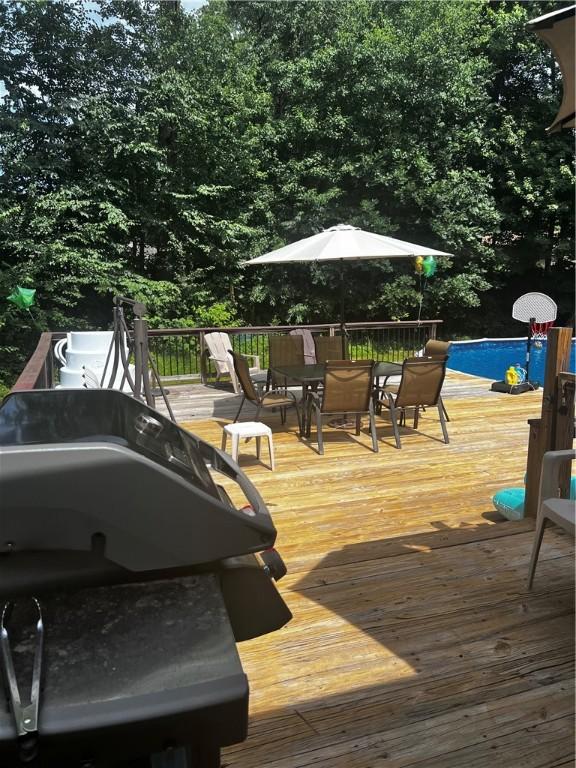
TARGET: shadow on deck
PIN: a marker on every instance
(414, 641)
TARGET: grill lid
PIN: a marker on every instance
(101, 472)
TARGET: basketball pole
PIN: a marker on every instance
(528, 345)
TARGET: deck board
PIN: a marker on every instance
(414, 641)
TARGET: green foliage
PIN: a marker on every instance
(149, 152)
(386, 117)
(220, 314)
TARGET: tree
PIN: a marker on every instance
(149, 151)
(127, 159)
(533, 173)
(393, 116)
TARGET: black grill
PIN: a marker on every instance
(145, 572)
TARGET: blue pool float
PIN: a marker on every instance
(510, 501)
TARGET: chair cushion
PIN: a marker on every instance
(248, 429)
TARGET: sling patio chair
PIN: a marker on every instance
(284, 350)
(436, 349)
(217, 346)
(551, 508)
(420, 386)
(271, 399)
(346, 391)
(328, 348)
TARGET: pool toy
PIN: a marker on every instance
(511, 376)
(520, 372)
(510, 501)
(515, 375)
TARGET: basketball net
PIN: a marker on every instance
(539, 331)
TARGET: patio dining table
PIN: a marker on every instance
(308, 375)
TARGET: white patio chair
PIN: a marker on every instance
(217, 349)
(562, 512)
(91, 379)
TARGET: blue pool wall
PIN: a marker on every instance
(491, 358)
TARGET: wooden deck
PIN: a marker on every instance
(414, 641)
(197, 401)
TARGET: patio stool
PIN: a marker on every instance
(248, 429)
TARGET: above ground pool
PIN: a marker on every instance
(492, 357)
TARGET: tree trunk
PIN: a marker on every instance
(549, 245)
(141, 257)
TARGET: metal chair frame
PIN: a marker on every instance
(275, 398)
(318, 400)
(402, 399)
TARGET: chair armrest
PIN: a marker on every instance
(256, 359)
(218, 359)
(550, 477)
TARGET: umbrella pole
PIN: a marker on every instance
(343, 420)
(342, 310)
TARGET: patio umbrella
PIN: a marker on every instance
(344, 243)
(557, 29)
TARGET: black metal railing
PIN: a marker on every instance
(177, 352)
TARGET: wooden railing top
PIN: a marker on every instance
(29, 377)
(279, 328)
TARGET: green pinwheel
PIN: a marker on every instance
(22, 297)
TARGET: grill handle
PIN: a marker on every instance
(221, 462)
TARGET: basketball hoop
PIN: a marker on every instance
(539, 311)
(539, 331)
(534, 308)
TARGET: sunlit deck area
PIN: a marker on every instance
(414, 640)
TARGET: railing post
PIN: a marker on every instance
(544, 432)
(202, 348)
(50, 366)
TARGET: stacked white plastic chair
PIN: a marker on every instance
(83, 357)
